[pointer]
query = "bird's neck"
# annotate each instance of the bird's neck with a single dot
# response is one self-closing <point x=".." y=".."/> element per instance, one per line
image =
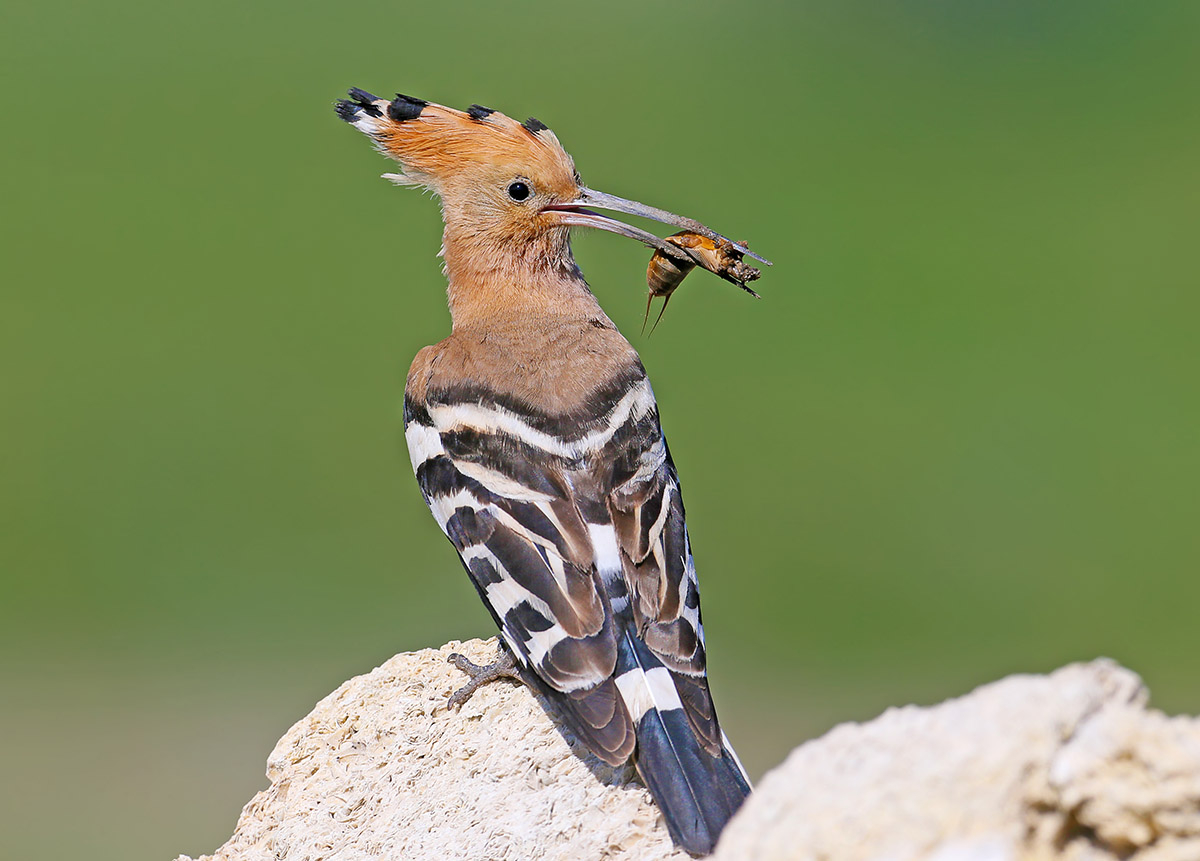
<point x="493" y="281"/>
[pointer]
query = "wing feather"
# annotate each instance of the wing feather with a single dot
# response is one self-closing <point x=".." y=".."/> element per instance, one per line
<point x="649" y="515"/>
<point x="507" y="509"/>
<point x="560" y="539"/>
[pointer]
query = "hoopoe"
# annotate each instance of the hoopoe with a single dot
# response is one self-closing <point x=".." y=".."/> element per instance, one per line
<point x="535" y="439"/>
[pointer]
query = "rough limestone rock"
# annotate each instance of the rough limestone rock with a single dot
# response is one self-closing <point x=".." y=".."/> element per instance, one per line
<point x="1066" y="766"/>
<point x="381" y="769"/>
<point x="1031" y="768"/>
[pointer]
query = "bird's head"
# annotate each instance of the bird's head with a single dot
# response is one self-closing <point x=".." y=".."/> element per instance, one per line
<point x="509" y="191"/>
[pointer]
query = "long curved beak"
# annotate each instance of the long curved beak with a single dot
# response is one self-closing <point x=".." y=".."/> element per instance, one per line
<point x="578" y="213"/>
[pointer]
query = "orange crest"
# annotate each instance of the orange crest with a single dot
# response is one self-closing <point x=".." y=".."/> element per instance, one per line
<point x="439" y="146"/>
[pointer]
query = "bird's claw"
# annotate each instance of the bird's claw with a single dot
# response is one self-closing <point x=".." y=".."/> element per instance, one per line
<point x="504" y="667"/>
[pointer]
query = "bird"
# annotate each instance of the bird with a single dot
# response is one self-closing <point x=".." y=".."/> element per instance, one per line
<point x="535" y="438"/>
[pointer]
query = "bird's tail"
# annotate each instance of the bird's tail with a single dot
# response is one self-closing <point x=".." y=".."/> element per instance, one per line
<point x="696" y="790"/>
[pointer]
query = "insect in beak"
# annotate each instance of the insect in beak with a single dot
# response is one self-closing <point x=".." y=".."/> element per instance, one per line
<point x="719" y="256"/>
<point x="675" y="256"/>
<point x="578" y="213"/>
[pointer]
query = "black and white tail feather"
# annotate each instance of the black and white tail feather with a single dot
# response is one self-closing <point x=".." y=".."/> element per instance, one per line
<point x="697" y="792"/>
<point x="572" y="529"/>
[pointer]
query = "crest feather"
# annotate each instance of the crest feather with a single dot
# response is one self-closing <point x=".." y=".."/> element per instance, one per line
<point x="435" y="144"/>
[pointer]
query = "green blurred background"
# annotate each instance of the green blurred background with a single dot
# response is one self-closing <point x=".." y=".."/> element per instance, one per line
<point x="957" y="438"/>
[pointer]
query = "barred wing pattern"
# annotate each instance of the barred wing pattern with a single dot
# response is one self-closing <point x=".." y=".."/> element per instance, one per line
<point x="572" y="529"/>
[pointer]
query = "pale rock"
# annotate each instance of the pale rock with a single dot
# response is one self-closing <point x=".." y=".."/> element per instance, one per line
<point x="381" y="769"/>
<point x="1066" y="766"/>
<point x="1031" y="768"/>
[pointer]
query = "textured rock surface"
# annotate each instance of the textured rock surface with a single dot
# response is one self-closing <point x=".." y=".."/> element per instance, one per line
<point x="382" y="770"/>
<point x="1070" y="765"/>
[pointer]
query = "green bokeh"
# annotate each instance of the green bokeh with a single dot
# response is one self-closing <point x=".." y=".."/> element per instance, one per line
<point x="957" y="438"/>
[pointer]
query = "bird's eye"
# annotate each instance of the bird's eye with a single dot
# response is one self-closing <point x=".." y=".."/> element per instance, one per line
<point x="519" y="190"/>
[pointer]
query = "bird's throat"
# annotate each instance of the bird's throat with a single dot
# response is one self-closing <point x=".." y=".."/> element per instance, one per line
<point x="493" y="279"/>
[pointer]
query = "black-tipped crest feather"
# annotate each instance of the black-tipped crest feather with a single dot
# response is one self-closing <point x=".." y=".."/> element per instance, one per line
<point x="360" y="100"/>
<point x="404" y="108"/>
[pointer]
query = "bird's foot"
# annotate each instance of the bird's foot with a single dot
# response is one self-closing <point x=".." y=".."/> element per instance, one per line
<point x="504" y="667"/>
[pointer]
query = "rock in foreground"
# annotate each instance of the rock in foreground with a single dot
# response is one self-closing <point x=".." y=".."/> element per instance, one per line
<point x="1070" y="765"/>
<point x="1066" y="766"/>
<point x="381" y="769"/>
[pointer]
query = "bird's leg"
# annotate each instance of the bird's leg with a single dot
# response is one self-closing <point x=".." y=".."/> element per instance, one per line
<point x="504" y="667"/>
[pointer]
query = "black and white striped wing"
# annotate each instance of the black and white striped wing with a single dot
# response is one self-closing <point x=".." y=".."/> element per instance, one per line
<point x="572" y="530"/>
<point x="682" y="754"/>
<point x="500" y="487"/>
<point x="648" y="516"/>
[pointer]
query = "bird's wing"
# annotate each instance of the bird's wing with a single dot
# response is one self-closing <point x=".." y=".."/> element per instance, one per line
<point x="573" y="533"/>
<point x="648" y="516"/>
<point x="498" y="482"/>
<point x="572" y="530"/>
<point x="682" y="755"/>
